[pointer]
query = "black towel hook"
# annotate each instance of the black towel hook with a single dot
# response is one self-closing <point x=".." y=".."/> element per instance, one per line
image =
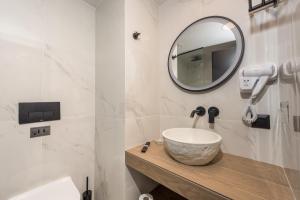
<point x="136" y="35"/>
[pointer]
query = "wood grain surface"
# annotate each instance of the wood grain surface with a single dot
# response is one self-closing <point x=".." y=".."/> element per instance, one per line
<point x="227" y="177"/>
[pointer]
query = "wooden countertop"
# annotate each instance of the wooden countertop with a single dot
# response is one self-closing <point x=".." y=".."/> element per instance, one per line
<point x="228" y="177"/>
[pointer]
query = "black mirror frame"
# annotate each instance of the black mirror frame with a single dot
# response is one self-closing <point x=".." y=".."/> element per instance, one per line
<point x="229" y="75"/>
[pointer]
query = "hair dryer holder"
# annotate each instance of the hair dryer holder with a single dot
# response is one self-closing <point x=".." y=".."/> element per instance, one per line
<point x="253" y="80"/>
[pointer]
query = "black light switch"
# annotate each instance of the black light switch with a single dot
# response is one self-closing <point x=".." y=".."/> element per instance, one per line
<point x="263" y="121"/>
<point x="38" y="112"/>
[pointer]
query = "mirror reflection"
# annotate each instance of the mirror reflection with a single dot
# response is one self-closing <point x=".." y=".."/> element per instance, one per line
<point x="205" y="53"/>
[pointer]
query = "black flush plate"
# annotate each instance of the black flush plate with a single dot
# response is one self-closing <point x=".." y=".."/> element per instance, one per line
<point x="38" y="112"/>
<point x="263" y="121"/>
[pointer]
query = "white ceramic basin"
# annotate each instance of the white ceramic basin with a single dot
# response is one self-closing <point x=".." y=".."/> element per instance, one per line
<point x="192" y="146"/>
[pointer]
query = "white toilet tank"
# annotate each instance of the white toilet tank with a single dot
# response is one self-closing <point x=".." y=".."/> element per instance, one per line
<point x="63" y="189"/>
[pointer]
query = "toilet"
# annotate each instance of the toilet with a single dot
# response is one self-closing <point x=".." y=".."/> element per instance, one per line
<point x="62" y="189"/>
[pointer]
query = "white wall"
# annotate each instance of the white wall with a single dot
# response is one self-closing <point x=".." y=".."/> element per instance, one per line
<point x="127" y="107"/>
<point x="46" y="54"/>
<point x="290" y="92"/>
<point x="176" y="105"/>
<point x="110" y="100"/>
<point x="133" y="81"/>
<point x="142" y="94"/>
<point x="141" y="85"/>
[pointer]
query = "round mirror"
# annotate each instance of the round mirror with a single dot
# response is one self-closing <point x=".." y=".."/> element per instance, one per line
<point x="206" y="53"/>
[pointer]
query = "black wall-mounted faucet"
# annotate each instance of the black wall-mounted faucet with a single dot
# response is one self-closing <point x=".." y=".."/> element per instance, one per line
<point x="200" y="111"/>
<point x="212" y="113"/>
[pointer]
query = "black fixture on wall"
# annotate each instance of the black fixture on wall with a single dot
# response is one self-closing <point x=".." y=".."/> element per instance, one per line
<point x="213" y="112"/>
<point x="263" y="122"/>
<point x="136" y="35"/>
<point x="261" y="6"/>
<point x="38" y="112"/>
<point x="200" y="111"/>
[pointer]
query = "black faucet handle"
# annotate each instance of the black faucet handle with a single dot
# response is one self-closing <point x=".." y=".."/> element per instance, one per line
<point x="214" y="110"/>
<point x="212" y="113"/>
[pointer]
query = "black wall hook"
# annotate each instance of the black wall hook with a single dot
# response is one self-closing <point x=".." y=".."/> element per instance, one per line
<point x="136" y="35"/>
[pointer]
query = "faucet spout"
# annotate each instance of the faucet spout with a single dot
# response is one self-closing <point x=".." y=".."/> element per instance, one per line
<point x="193" y="113"/>
<point x="200" y="111"/>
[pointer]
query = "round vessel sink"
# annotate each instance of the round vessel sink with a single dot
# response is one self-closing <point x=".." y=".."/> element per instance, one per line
<point x="192" y="146"/>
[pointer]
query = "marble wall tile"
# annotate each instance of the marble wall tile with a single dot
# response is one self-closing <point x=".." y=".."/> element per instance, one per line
<point x="140" y="130"/>
<point x="141" y="69"/>
<point x="147" y="101"/>
<point x="177" y="105"/>
<point x="289" y="94"/>
<point x="110" y="159"/>
<point x="47" y="54"/>
<point x="110" y="101"/>
<point x="141" y="85"/>
<point x="110" y="59"/>
<point x="71" y="144"/>
<point x="22" y="159"/>
<point x="171" y="26"/>
<point x="141" y="59"/>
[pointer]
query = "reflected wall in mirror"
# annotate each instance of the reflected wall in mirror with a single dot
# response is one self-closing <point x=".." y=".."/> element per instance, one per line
<point x="206" y="53"/>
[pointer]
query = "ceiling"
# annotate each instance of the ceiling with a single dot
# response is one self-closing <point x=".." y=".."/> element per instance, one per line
<point x="94" y="2"/>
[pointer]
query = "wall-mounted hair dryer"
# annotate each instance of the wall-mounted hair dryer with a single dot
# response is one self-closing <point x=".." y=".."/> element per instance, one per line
<point x="253" y="80"/>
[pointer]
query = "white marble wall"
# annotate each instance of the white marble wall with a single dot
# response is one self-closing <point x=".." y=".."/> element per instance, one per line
<point x="127" y="96"/>
<point x="110" y="100"/>
<point x="136" y="100"/>
<point x="46" y="54"/>
<point x="141" y="85"/>
<point x="289" y="20"/>
<point x="176" y="105"/>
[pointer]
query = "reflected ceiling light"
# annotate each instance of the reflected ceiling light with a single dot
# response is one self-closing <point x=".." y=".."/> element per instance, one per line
<point x="228" y="26"/>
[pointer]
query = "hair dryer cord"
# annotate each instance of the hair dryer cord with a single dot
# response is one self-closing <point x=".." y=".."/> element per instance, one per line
<point x="249" y="115"/>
